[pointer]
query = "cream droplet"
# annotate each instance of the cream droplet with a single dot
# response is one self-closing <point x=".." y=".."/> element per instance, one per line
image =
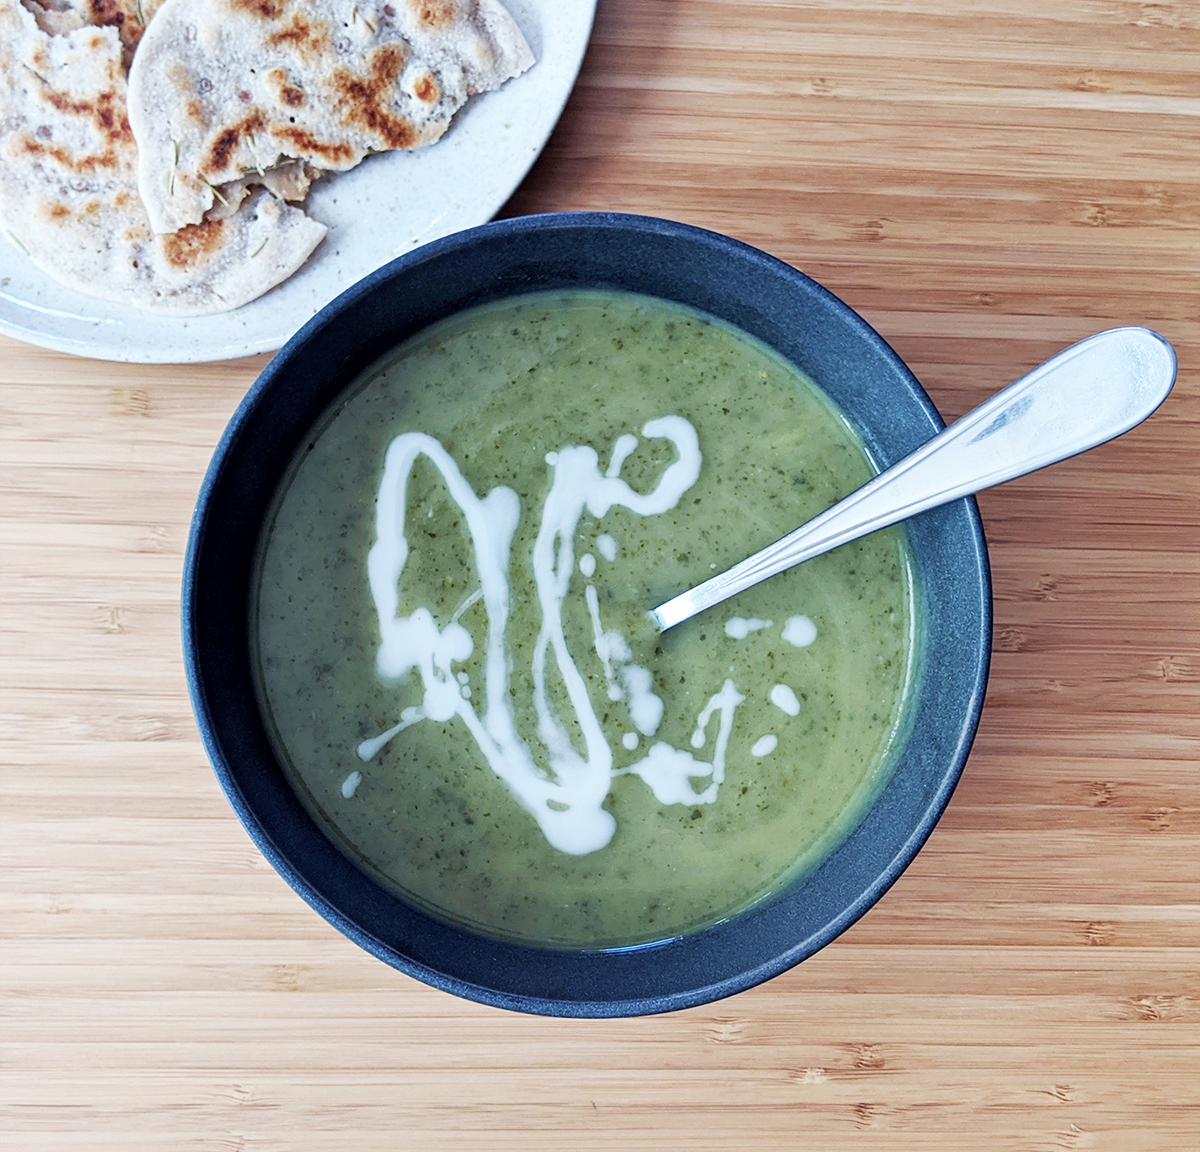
<point x="606" y="546"/>
<point x="350" y="784"/>
<point x="765" y="745"/>
<point x="630" y="740"/>
<point x="785" y="700"/>
<point x="410" y="716"/>
<point x="738" y="627"/>
<point x="799" y="631"/>
<point x="587" y="565"/>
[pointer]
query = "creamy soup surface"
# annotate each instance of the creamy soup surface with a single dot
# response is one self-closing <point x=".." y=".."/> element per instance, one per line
<point x="452" y="638"/>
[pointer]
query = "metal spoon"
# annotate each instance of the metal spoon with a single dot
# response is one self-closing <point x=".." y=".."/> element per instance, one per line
<point x="1087" y="394"/>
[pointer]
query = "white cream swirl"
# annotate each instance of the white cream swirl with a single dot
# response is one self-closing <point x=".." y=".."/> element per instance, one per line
<point x="566" y="795"/>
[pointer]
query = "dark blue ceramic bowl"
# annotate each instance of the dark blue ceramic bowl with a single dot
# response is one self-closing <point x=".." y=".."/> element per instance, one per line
<point x="764" y="297"/>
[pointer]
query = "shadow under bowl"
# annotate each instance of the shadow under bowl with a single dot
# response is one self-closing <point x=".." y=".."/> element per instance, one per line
<point x="751" y="290"/>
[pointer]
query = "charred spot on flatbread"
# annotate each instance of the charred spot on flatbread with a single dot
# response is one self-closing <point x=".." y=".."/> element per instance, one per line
<point x="87" y="162"/>
<point x="226" y="141"/>
<point x="106" y="13"/>
<point x="106" y="115"/>
<point x="309" y="147"/>
<point x="55" y="151"/>
<point x="113" y="126"/>
<point x="364" y="99"/>
<point x="265" y="9"/>
<point x="193" y="245"/>
<point x="66" y="104"/>
<point x="435" y="14"/>
<point x="427" y="89"/>
<point x="303" y="35"/>
<point x="110" y="119"/>
<point x="288" y="94"/>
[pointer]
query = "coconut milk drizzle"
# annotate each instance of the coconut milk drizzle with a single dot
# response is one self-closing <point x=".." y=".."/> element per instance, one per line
<point x="566" y="790"/>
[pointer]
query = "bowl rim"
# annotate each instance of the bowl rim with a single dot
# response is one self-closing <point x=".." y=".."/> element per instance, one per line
<point x="514" y="231"/>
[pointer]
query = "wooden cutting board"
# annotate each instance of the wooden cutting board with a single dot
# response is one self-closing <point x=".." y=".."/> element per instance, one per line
<point x="986" y="182"/>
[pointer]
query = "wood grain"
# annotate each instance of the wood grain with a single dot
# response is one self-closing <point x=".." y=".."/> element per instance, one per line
<point x="986" y="183"/>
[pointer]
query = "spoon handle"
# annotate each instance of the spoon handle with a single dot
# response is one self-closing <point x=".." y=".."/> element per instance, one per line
<point x="1084" y="396"/>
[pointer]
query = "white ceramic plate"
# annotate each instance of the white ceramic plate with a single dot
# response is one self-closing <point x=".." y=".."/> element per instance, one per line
<point x="385" y="207"/>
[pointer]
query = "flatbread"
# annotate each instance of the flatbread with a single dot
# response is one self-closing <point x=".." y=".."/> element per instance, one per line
<point x="68" y="188"/>
<point x="222" y="88"/>
<point x="128" y="17"/>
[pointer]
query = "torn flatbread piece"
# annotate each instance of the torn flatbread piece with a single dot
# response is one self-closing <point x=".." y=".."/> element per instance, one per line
<point x="220" y="89"/>
<point x="128" y="17"/>
<point x="68" y="188"/>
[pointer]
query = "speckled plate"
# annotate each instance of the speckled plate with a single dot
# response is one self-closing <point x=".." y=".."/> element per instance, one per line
<point x="372" y="212"/>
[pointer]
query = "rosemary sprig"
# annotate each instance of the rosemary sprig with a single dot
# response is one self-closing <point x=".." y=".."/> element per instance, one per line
<point x="215" y="191"/>
<point x="254" y="152"/>
<point x="16" y="240"/>
<point x="261" y="245"/>
<point x="174" y="165"/>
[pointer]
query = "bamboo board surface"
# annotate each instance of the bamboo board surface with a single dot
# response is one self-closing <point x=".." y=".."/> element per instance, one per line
<point x="986" y="182"/>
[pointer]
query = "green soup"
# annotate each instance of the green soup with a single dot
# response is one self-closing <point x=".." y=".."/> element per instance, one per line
<point x="452" y="638"/>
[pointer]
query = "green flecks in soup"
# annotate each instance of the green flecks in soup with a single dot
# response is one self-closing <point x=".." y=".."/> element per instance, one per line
<point x="452" y="637"/>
